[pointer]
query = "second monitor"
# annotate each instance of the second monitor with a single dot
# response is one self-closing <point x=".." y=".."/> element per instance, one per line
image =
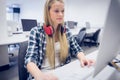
<point x="28" y="24"/>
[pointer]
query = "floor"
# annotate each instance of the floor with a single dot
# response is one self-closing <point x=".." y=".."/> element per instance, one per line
<point x="12" y="73"/>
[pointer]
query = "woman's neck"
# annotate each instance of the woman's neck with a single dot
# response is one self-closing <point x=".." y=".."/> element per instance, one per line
<point x="55" y="27"/>
<point x="55" y="32"/>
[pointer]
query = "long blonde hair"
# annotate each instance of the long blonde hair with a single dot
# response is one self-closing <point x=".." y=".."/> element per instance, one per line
<point x="50" y="52"/>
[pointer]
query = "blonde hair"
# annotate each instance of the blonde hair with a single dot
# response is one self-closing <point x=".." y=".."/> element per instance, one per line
<point x="50" y="52"/>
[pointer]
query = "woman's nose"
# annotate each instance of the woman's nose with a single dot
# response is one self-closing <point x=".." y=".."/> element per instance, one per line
<point x="60" y="13"/>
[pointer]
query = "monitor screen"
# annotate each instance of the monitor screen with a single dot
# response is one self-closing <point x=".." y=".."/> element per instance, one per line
<point x="16" y="10"/>
<point x="110" y="42"/>
<point x="27" y="24"/>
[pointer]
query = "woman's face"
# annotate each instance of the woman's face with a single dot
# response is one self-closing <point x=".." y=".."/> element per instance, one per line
<point x="57" y="13"/>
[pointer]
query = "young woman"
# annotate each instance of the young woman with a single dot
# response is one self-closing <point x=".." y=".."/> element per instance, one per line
<point x="49" y="45"/>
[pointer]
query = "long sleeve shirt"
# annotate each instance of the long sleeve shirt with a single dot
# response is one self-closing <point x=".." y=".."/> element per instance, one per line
<point x="37" y="47"/>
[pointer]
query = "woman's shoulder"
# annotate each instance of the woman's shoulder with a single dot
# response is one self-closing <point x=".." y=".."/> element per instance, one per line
<point x="37" y="29"/>
<point x="37" y="32"/>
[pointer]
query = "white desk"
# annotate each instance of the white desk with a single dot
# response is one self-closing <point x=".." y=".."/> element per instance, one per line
<point x="16" y="38"/>
<point x="73" y="71"/>
<point x="77" y="29"/>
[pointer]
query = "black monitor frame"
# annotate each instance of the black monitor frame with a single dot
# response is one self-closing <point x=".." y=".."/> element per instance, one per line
<point x="28" y="24"/>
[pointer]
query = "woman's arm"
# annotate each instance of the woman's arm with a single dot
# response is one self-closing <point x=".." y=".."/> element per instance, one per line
<point x="34" y="70"/>
<point x="74" y="46"/>
<point x="38" y="74"/>
<point x="32" y="58"/>
<point x="32" y="55"/>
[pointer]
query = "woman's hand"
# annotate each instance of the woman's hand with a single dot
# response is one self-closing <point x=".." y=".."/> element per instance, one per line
<point x="84" y="61"/>
<point x="48" y="76"/>
<point x="38" y="74"/>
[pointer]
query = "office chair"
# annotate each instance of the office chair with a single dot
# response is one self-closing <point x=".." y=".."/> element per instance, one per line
<point x="21" y="69"/>
<point x="92" y="39"/>
<point x="82" y="29"/>
<point x="80" y="36"/>
<point x="11" y="47"/>
<point x="12" y="54"/>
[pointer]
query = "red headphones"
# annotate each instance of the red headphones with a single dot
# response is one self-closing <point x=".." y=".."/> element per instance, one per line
<point x="49" y="30"/>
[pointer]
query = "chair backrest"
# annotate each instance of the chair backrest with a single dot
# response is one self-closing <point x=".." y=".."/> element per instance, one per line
<point x="21" y="69"/>
<point x="82" y="29"/>
<point x="81" y="35"/>
<point x="96" y="34"/>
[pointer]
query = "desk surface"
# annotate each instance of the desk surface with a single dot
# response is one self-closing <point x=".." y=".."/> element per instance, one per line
<point x="76" y="30"/>
<point x="16" y="38"/>
<point x="73" y="70"/>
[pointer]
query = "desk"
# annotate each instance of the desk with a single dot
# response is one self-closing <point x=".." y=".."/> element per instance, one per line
<point x="16" y="38"/>
<point x="76" y="30"/>
<point x="73" y="70"/>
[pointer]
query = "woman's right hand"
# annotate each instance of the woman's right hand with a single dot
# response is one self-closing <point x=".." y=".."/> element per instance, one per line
<point x="38" y="74"/>
<point x="47" y="76"/>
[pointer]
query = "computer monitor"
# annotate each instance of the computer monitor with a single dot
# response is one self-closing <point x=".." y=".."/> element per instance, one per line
<point x="110" y="43"/>
<point x="16" y="10"/>
<point x="27" y="24"/>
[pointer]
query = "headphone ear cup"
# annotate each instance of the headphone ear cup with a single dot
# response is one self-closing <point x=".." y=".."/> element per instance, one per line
<point x="48" y="30"/>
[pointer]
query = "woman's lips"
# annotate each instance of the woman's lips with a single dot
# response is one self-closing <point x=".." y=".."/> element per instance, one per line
<point x="59" y="18"/>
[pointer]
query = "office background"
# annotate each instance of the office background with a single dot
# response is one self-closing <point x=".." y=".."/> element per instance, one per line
<point x="81" y="11"/>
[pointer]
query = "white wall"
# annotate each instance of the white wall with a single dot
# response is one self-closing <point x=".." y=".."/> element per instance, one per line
<point x="34" y="9"/>
<point x="93" y="11"/>
<point x="3" y="34"/>
<point x="30" y="9"/>
<point x="3" y="27"/>
<point x="81" y="11"/>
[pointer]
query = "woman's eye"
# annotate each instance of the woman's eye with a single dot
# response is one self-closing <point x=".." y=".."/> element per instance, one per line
<point x="56" y="11"/>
